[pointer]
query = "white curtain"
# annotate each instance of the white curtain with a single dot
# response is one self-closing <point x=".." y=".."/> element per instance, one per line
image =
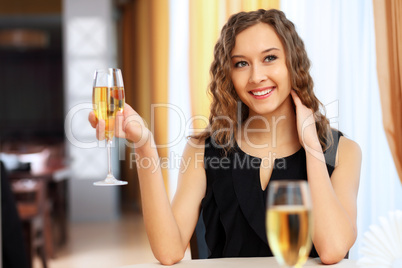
<point x="179" y="86"/>
<point x="340" y="41"/>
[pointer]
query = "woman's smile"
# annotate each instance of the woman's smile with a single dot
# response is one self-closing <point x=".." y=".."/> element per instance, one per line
<point x="262" y="93"/>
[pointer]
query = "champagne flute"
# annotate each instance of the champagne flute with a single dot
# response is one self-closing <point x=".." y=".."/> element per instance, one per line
<point x="289" y="222"/>
<point x="107" y="100"/>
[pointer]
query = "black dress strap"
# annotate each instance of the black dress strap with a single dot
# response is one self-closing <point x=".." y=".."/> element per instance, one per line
<point x="330" y="153"/>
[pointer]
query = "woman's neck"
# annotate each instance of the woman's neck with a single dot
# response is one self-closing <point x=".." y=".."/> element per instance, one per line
<point x="277" y="128"/>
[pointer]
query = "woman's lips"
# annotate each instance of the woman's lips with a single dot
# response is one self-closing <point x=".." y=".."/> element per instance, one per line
<point x="262" y="92"/>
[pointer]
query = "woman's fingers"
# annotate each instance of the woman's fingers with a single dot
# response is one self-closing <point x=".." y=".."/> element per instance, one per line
<point x="301" y="109"/>
<point x="119" y="123"/>
<point x="92" y="119"/>
<point x="134" y="127"/>
<point x="100" y="130"/>
<point x="128" y="110"/>
<point x="99" y="125"/>
<point x="128" y="124"/>
<point x="305" y="122"/>
<point x="295" y="97"/>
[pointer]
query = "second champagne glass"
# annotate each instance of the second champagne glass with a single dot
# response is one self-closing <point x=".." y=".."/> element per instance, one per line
<point x="289" y="222"/>
<point x="107" y="100"/>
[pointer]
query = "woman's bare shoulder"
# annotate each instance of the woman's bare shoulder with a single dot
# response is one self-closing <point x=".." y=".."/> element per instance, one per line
<point x="195" y="145"/>
<point x="348" y="146"/>
<point x="348" y="150"/>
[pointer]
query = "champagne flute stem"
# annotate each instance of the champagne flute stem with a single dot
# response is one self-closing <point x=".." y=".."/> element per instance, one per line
<point x="109" y="157"/>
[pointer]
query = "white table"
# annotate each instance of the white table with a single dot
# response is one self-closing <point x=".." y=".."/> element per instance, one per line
<point x="242" y="263"/>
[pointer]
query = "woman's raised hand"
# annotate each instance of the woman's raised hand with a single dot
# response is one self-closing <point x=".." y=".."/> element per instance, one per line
<point x="306" y="128"/>
<point x="128" y="125"/>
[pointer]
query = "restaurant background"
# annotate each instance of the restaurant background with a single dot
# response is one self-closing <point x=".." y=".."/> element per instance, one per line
<point x="164" y="49"/>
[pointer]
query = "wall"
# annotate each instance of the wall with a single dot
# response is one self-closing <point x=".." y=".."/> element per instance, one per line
<point x="89" y="44"/>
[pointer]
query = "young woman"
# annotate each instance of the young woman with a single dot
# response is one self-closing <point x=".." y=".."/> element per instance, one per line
<point x="265" y="125"/>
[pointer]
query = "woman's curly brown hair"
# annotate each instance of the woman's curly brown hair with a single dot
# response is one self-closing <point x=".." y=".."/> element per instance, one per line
<point x="227" y="112"/>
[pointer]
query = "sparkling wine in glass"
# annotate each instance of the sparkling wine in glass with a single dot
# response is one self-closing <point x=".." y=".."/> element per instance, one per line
<point x="289" y="222"/>
<point x="107" y="100"/>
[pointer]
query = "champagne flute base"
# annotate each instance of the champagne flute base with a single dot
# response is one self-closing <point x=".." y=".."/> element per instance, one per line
<point x="110" y="181"/>
<point x="105" y="183"/>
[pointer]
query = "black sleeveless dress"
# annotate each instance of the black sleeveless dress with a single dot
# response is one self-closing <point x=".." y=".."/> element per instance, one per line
<point x="233" y="209"/>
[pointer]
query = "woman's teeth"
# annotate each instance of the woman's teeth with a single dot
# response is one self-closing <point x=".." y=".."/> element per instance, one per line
<point x="261" y="93"/>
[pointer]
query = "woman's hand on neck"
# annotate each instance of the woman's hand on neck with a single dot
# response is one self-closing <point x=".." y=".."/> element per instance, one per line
<point x="306" y="127"/>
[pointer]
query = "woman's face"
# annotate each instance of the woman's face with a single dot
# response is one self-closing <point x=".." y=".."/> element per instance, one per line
<point x="258" y="71"/>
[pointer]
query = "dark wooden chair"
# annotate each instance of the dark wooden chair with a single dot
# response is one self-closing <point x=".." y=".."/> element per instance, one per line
<point x="30" y="196"/>
<point x="13" y="246"/>
<point x="198" y="245"/>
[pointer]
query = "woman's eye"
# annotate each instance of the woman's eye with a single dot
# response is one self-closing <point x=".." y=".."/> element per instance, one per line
<point x="270" y="58"/>
<point x="240" y="64"/>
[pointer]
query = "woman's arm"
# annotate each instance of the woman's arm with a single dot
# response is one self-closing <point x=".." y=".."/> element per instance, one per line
<point x="169" y="229"/>
<point x="334" y="199"/>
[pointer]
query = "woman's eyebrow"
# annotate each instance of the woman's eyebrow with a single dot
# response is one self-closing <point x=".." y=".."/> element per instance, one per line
<point x="269" y="49"/>
<point x="265" y="51"/>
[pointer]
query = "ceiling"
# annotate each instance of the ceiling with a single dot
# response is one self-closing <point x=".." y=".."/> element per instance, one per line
<point x="36" y="7"/>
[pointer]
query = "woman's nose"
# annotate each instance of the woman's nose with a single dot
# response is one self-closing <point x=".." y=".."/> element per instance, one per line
<point x="257" y="74"/>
